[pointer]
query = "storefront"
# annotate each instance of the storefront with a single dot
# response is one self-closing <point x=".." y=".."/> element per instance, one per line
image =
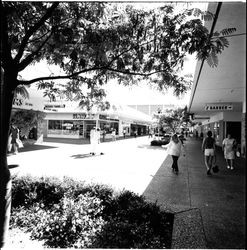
<point x="221" y="124"/>
<point x="62" y="123"/>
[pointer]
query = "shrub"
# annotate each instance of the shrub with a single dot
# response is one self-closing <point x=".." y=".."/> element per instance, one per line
<point x="69" y="213"/>
<point x="134" y="223"/>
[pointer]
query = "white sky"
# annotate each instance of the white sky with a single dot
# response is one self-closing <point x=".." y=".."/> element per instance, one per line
<point x="141" y="94"/>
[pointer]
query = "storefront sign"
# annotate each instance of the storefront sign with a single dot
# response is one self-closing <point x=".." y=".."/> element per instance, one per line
<point x="217" y="107"/>
<point x="105" y="117"/>
<point x="49" y="107"/>
<point x="83" y="116"/>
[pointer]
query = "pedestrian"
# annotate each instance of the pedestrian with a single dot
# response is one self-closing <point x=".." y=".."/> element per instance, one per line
<point x="196" y="134"/>
<point x="186" y="133"/>
<point x="13" y="138"/>
<point x="229" y="146"/>
<point x="124" y="133"/>
<point x="103" y="134"/>
<point x="174" y="149"/>
<point x="208" y="149"/>
<point x="98" y="146"/>
<point x="113" y="134"/>
<point x="135" y="133"/>
<point x="93" y="140"/>
<point x="201" y="136"/>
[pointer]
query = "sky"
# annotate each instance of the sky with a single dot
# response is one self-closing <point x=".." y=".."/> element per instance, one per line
<point x="141" y="94"/>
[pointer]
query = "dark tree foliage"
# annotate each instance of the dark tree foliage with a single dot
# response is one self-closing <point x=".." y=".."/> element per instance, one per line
<point x="26" y="120"/>
<point x="93" y="42"/>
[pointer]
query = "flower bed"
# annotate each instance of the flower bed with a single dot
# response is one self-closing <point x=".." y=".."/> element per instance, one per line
<point x="69" y="214"/>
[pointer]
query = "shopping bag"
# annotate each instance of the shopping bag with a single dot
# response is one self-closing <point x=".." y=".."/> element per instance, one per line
<point x="19" y="143"/>
<point x="9" y="143"/>
<point x="215" y="168"/>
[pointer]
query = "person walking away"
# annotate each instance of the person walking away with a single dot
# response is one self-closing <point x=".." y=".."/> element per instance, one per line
<point x="196" y="134"/>
<point x="229" y="146"/>
<point x="93" y="140"/>
<point x="186" y="133"/>
<point x="201" y="136"/>
<point x="14" y="133"/>
<point x="174" y="149"/>
<point x="208" y="149"/>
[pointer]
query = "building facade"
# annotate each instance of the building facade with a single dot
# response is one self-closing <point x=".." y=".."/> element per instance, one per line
<point x="151" y="109"/>
<point x="218" y="99"/>
<point x="63" y="121"/>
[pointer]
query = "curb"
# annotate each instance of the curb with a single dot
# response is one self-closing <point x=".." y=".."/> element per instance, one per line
<point x="188" y="231"/>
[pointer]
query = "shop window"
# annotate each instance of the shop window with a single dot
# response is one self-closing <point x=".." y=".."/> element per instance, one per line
<point x="55" y="124"/>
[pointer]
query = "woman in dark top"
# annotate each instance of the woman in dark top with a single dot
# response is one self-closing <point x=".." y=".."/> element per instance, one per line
<point x="208" y="148"/>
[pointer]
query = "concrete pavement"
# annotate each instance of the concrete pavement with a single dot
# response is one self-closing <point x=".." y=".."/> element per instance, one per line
<point x="219" y="200"/>
<point x="126" y="164"/>
<point x="210" y="210"/>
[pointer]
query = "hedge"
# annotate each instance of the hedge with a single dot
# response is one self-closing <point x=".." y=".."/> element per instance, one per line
<point x="70" y="214"/>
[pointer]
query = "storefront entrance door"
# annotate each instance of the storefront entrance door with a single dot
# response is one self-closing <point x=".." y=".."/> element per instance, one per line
<point x="234" y="128"/>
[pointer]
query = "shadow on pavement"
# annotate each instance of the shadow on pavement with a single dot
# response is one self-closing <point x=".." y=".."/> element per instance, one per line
<point x="81" y="156"/>
<point x="13" y="166"/>
<point x="34" y="147"/>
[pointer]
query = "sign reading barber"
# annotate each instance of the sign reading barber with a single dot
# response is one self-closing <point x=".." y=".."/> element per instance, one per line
<point x="218" y="107"/>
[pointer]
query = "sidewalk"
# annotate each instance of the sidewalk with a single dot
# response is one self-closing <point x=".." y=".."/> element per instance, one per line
<point x="220" y="198"/>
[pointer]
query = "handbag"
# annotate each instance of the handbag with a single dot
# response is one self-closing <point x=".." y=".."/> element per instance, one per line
<point x="215" y="169"/>
<point x="19" y="143"/>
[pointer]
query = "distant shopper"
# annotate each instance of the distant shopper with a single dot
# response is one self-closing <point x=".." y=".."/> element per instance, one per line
<point x="99" y="147"/>
<point x="113" y="134"/>
<point x="103" y="134"/>
<point x="196" y="134"/>
<point x="13" y="137"/>
<point x="201" y="136"/>
<point x="208" y="149"/>
<point x="93" y="140"/>
<point x="229" y="146"/>
<point x="124" y="133"/>
<point x="174" y="149"/>
<point x="135" y="133"/>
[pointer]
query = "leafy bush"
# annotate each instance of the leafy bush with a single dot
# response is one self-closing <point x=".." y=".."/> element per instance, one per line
<point x="134" y="223"/>
<point x="67" y="213"/>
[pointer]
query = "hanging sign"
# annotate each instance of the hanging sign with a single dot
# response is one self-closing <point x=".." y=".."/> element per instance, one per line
<point x="217" y="107"/>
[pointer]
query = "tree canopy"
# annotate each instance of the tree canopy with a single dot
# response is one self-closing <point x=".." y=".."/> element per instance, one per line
<point x="93" y="42"/>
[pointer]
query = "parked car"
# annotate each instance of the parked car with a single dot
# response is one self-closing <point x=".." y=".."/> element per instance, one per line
<point x="161" y="140"/>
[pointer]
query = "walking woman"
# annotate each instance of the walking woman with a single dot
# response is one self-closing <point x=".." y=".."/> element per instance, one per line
<point x="174" y="149"/>
<point x="229" y="145"/>
<point x="208" y="148"/>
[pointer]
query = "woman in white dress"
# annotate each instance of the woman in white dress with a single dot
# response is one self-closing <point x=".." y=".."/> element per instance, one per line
<point x="229" y="146"/>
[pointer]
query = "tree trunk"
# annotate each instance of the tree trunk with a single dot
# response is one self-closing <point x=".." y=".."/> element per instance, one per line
<point x="6" y="99"/>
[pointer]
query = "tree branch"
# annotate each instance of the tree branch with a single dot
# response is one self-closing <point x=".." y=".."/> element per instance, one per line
<point x="125" y="72"/>
<point x="33" y="29"/>
<point x="25" y="62"/>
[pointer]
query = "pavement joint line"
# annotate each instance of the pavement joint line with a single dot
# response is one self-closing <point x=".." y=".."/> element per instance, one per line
<point x="188" y="174"/>
<point x="189" y="209"/>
